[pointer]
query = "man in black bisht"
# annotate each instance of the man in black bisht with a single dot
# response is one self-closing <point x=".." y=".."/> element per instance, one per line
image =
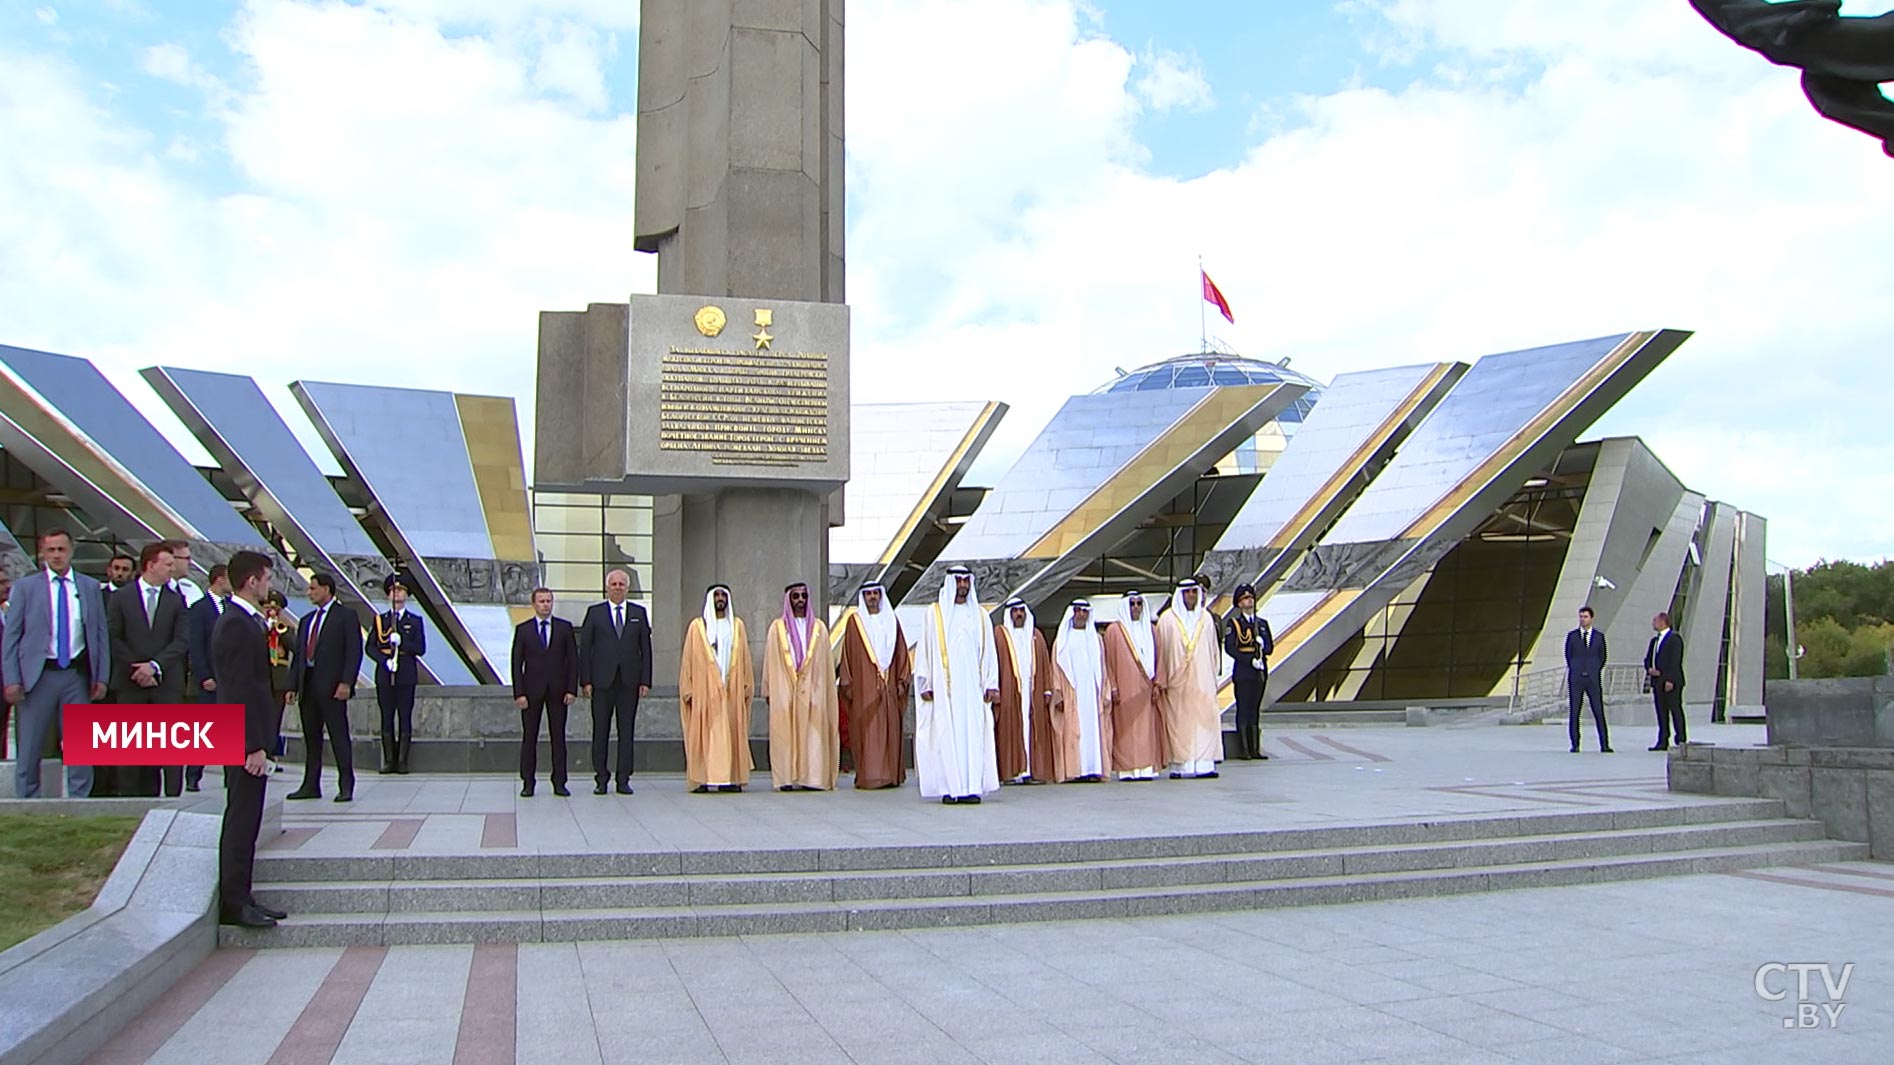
<point x="1246" y="639"/>
<point x="240" y="655"/>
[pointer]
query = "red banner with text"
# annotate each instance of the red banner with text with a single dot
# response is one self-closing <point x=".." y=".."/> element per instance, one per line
<point x="160" y="734"/>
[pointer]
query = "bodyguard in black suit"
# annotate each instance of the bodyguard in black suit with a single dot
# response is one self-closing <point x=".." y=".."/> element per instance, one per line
<point x="240" y="654"/>
<point x="1664" y="664"/>
<point x="1247" y="640"/>
<point x="400" y="638"/>
<point x="199" y="620"/>
<point x="1585" y="677"/>
<point x="545" y="681"/>
<point x="146" y="623"/>
<point x="615" y="672"/>
<point x="322" y="676"/>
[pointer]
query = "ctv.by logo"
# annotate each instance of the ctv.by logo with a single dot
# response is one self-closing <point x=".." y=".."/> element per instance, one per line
<point x="1772" y="985"/>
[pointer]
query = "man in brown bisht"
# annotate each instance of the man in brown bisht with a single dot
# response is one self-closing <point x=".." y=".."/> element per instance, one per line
<point x="715" y="685"/>
<point x="1022" y="722"/>
<point x="1080" y="700"/>
<point x="799" y="679"/>
<point x="1138" y="748"/>
<point x="877" y="672"/>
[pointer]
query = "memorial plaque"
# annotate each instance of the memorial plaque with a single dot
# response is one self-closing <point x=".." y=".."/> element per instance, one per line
<point x="735" y="392"/>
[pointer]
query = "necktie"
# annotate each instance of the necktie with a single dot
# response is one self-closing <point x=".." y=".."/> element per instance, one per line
<point x="1587" y="637"/>
<point x="545" y="640"/>
<point x="221" y="605"/>
<point x="151" y="604"/>
<point x="309" y="645"/>
<point x="618" y="619"/>
<point x="62" y="622"/>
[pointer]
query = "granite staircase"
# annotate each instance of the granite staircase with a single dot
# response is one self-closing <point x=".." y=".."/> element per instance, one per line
<point x="401" y="898"/>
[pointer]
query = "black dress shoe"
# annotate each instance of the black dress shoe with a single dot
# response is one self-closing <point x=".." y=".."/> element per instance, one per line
<point x="303" y="793"/>
<point x="949" y="800"/>
<point x="560" y="790"/>
<point x="1177" y="776"/>
<point x="345" y="796"/>
<point x="1212" y="775"/>
<point x="624" y="788"/>
<point x="970" y="800"/>
<point x="193" y="787"/>
<point x="1606" y="750"/>
<point x="1574" y="750"/>
<point x="1262" y="757"/>
<point x="526" y="792"/>
<point x="1659" y="747"/>
<point x="271" y="912"/>
<point x="702" y="789"/>
<point x="734" y="789"/>
<point x="598" y="789"/>
<point x="248" y="917"/>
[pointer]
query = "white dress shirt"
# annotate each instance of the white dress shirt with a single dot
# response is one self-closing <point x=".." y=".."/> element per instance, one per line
<point x="75" y="623"/>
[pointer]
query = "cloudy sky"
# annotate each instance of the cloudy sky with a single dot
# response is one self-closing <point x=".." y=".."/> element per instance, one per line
<point x="389" y="191"/>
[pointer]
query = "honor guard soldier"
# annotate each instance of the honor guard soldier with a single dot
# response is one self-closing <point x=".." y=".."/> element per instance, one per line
<point x="399" y="639"/>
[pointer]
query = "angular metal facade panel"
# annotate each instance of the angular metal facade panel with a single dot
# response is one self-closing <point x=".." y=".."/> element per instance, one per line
<point x="900" y="453"/>
<point x="1499" y="398"/>
<point x="234" y="420"/>
<point x="421" y="461"/>
<point x="406" y="447"/>
<point x="1508" y="417"/>
<point x="1707" y="607"/>
<point x="1748" y="581"/>
<point x="85" y="400"/>
<point x="1089" y="440"/>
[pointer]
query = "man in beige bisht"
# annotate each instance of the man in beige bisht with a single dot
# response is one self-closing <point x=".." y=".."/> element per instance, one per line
<point x="1138" y="746"/>
<point x="1188" y="658"/>
<point x="715" y="686"/>
<point x="1080" y="700"/>
<point x="877" y="672"/>
<point x="1022" y="721"/>
<point x="805" y="741"/>
<point x="957" y="673"/>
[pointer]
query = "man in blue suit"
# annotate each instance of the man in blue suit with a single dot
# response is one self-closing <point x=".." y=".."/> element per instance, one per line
<point x="55" y="651"/>
<point x="1585" y="677"/>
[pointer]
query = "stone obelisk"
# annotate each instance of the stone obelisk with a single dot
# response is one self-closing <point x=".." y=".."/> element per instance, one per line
<point x="725" y="396"/>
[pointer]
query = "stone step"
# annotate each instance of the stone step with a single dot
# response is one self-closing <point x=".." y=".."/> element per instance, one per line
<point x="688" y="921"/>
<point x="586" y="893"/>
<point x="512" y="865"/>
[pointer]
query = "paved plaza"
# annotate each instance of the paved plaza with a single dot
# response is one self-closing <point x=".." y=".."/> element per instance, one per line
<point x="1651" y="970"/>
<point x="1648" y="971"/>
<point x="1314" y="777"/>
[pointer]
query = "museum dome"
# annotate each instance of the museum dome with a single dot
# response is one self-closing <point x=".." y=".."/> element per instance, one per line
<point x="1203" y="370"/>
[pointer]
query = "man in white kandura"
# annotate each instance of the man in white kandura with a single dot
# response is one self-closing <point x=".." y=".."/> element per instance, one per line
<point x="1189" y="659"/>
<point x="956" y="672"/>
<point x="1079" y="699"/>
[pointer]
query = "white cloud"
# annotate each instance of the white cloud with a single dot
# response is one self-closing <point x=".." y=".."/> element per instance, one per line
<point x="1172" y="80"/>
<point x="403" y="222"/>
<point x="47" y="16"/>
<point x="173" y="63"/>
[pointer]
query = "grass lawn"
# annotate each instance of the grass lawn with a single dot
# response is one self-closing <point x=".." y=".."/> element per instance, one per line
<point x="52" y="867"/>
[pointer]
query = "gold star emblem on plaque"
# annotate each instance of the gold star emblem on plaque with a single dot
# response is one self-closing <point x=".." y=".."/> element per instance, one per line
<point x="710" y="320"/>
<point x="764" y="319"/>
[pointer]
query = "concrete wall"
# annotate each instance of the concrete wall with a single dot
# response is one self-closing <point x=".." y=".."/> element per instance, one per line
<point x="1832" y="712"/>
<point x="1849" y="789"/>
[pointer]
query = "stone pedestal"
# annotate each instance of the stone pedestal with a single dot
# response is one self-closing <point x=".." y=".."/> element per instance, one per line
<point x="756" y="540"/>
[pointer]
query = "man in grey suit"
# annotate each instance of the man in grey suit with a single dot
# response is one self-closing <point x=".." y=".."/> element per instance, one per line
<point x="55" y="652"/>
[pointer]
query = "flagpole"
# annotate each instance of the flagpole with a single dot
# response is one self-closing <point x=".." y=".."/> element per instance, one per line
<point x="1203" y="315"/>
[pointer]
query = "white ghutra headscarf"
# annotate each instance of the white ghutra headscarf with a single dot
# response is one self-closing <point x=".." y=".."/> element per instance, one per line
<point x="718" y="630"/>
<point x="881" y="628"/>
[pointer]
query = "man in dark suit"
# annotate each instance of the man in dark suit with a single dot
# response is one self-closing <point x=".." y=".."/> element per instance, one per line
<point x="118" y="573"/>
<point x="6" y="708"/>
<point x="1664" y="664"/>
<point x="1248" y="642"/>
<point x="55" y="651"/>
<point x="614" y="672"/>
<point x="145" y="620"/>
<point x="1585" y="677"/>
<point x="322" y="676"/>
<point x="199" y="620"/>
<point x="241" y="658"/>
<point x="400" y="639"/>
<point x="545" y="680"/>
